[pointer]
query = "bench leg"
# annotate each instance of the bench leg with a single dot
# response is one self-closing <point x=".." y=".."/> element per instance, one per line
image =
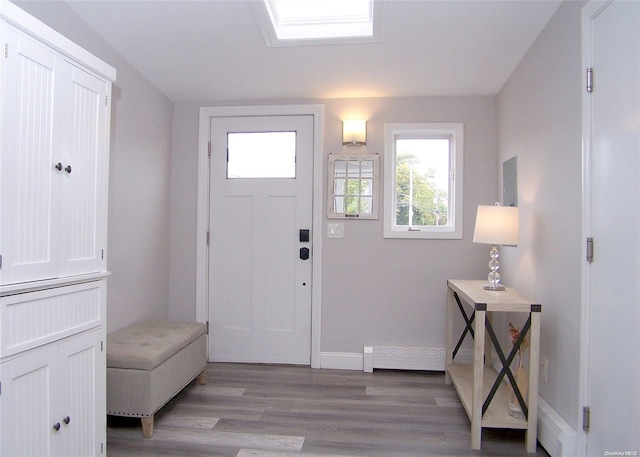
<point x="147" y="426"/>
<point x="202" y="377"/>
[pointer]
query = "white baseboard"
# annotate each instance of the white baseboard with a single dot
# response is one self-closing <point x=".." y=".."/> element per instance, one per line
<point x="341" y="360"/>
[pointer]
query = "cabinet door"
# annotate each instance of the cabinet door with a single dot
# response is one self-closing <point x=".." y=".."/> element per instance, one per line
<point x="82" y="407"/>
<point x="29" y="201"/>
<point x="27" y="416"/>
<point x="85" y="171"/>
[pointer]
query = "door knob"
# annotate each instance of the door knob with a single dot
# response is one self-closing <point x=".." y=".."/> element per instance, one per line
<point x="304" y="253"/>
<point x="66" y="420"/>
<point x="68" y="169"/>
<point x="56" y="426"/>
<point x="58" y="166"/>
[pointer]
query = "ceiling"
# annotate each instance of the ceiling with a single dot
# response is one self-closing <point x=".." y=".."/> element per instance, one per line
<point x="210" y="50"/>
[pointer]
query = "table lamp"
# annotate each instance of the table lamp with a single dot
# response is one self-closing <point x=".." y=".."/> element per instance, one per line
<point x="496" y="225"/>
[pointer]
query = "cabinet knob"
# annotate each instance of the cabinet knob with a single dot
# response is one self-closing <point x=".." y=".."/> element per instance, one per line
<point x="66" y="420"/>
<point x="58" y="166"/>
<point x="68" y="169"/>
<point x="56" y="427"/>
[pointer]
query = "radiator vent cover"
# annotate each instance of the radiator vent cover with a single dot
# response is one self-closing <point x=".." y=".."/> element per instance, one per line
<point x="410" y="358"/>
<point x="557" y="437"/>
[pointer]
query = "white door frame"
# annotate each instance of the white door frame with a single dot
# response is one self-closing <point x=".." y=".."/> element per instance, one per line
<point x="588" y="12"/>
<point x="202" y="224"/>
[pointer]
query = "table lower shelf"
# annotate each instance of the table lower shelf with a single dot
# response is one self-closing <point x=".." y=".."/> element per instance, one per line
<point x="497" y="414"/>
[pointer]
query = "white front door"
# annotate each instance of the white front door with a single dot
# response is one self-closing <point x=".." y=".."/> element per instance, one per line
<point x="261" y="190"/>
<point x="613" y="278"/>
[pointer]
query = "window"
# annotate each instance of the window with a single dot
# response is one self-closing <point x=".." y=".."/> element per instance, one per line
<point x="423" y="181"/>
<point x="353" y="186"/>
<point x="261" y="155"/>
<point x="313" y="22"/>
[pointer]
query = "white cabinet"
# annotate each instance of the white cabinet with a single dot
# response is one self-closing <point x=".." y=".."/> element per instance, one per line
<point x="52" y="400"/>
<point x="55" y="117"/>
<point x="54" y="150"/>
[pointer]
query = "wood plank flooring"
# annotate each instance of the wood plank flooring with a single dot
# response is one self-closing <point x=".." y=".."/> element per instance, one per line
<point x="290" y="411"/>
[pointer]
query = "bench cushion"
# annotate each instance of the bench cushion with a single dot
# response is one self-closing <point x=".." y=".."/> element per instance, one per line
<point x="145" y="345"/>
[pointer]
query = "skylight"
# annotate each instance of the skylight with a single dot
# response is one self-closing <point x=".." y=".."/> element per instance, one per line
<point x="296" y="22"/>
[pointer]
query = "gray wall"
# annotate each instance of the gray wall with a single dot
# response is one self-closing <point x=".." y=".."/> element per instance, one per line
<point x="139" y="174"/>
<point x="539" y="120"/>
<point x="375" y="290"/>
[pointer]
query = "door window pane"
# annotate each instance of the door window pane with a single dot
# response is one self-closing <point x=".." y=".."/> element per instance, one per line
<point x="261" y="155"/>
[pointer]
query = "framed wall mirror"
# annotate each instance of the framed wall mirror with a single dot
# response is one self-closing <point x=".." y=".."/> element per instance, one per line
<point x="353" y="186"/>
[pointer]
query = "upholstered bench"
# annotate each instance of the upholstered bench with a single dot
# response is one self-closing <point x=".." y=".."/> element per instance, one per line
<point x="148" y="363"/>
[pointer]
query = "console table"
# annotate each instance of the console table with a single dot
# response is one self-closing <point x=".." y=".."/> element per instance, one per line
<point x="481" y="389"/>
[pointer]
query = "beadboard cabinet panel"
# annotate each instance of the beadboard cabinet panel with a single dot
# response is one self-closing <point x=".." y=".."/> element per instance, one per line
<point x="26" y="403"/>
<point x="29" y="320"/>
<point x="54" y="150"/>
<point x="30" y="198"/>
<point x="84" y="185"/>
<point x="82" y="414"/>
<point x="51" y="402"/>
<point x="55" y="164"/>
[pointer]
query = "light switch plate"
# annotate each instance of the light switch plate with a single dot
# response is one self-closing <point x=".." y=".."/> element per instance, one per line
<point x="335" y="230"/>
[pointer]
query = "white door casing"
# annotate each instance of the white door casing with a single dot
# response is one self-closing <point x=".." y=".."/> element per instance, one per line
<point x="259" y="287"/>
<point x="202" y="256"/>
<point x="610" y="341"/>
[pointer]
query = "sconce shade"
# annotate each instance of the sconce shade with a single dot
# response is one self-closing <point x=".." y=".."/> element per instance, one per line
<point x="354" y="132"/>
<point x="497" y="225"/>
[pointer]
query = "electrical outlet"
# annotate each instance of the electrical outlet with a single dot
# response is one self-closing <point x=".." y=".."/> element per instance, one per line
<point x="544" y="369"/>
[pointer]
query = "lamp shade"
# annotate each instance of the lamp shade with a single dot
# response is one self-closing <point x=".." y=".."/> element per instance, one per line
<point x="497" y="225"/>
<point x="354" y="132"/>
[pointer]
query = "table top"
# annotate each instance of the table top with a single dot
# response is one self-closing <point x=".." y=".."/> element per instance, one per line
<point x="472" y="292"/>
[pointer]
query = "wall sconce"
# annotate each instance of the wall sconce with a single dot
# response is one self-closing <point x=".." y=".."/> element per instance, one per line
<point x="496" y="225"/>
<point x="354" y="132"/>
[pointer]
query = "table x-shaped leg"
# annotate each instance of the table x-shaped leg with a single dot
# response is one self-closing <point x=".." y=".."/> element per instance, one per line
<point x="468" y="321"/>
<point x="506" y="363"/>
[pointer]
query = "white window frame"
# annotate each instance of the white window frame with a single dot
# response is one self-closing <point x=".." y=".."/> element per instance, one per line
<point x="455" y="131"/>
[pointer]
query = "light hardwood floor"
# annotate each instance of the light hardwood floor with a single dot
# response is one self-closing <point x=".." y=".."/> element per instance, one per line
<point x="289" y="411"/>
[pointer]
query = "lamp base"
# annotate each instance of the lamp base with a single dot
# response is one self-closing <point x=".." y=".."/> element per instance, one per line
<point x="495" y="287"/>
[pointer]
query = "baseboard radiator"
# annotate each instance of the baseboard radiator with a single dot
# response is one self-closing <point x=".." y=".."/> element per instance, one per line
<point x="410" y="358"/>
<point x="554" y="433"/>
